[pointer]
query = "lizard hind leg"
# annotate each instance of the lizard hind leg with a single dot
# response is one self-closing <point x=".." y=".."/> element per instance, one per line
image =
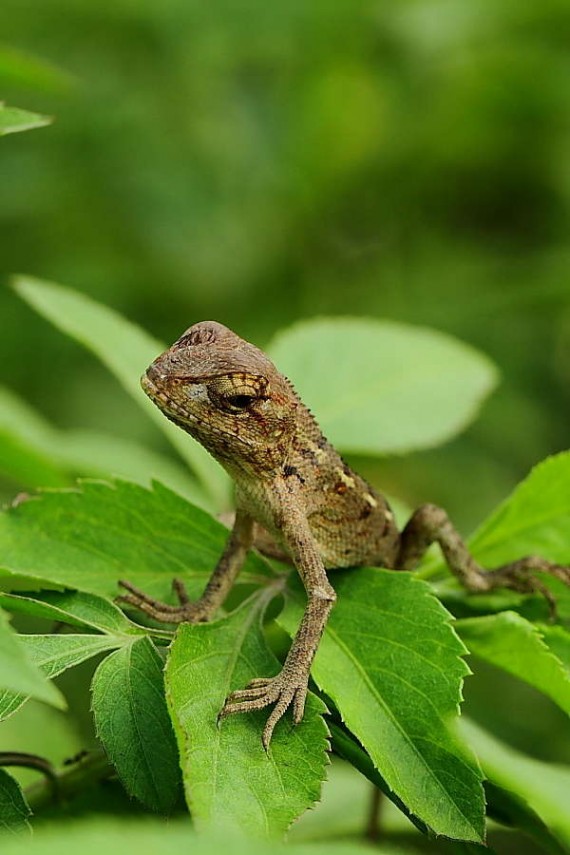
<point x="430" y="524"/>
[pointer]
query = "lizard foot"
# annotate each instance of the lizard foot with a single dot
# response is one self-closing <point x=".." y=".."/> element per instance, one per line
<point x="519" y="576"/>
<point x="186" y="611"/>
<point x="287" y="689"/>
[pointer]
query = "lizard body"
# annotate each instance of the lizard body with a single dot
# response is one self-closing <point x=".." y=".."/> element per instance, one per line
<point x="291" y="481"/>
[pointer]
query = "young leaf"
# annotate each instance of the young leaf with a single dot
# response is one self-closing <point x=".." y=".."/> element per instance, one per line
<point x="14" y="810"/>
<point x="90" y="538"/>
<point x="12" y="120"/>
<point x="391" y="663"/>
<point x="229" y="779"/>
<point x="132" y="723"/>
<point x="396" y="388"/>
<point x="19" y="674"/>
<point x="510" y="642"/>
<point x="543" y="786"/>
<point x="126" y="350"/>
<point x="53" y="654"/>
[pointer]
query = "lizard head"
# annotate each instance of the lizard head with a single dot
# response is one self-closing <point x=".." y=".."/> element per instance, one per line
<point x="227" y="394"/>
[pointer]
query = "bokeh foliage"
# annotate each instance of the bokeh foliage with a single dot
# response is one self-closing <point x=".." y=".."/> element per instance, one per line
<point x="257" y="164"/>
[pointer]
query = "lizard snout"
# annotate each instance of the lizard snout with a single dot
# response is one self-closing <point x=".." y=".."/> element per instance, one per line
<point x="154" y="374"/>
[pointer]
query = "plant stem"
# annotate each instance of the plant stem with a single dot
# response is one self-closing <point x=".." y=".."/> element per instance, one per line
<point x="372" y="832"/>
<point x="68" y="781"/>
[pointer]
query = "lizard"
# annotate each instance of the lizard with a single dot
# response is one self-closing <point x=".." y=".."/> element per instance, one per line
<point x="291" y="484"/>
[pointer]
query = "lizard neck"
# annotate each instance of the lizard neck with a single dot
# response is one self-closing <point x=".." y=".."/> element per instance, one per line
<point x="345" y="513"/>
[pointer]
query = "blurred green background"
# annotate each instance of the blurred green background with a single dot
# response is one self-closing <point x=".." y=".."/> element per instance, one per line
<point x="258" y="163"/>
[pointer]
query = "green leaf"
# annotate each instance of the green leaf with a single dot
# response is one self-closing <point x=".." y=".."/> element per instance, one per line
<point x="24" y="69"/>
<point x="132" y="723"/>
<point x="25" y="440"/>
<point x="23" y="463"/>
<point x="126" y="350"/>
<point x="13" y="120"/>
<point x="391" y="663"/>
<point x="510" y="642"/>
<point x="53" y="654"/>
<point x="94" y="836"/>
<point x="74" y="608"/>
<point x="534" y="520"/>
<point x="14" y="810"/>
<point x="346" y="746"/>
<point x="19" y="674"/>
<point x="380" y="386"/>
<point x="24" y="423"/>
<point x="230" y="781"/>
<point x="90" y="538"/>
<point x="543" y="786"/>
<point x="34" y="453"/>
<point x="558" y="640"/>
<point x="92" y="453"/>
<point x="509" y="809"/>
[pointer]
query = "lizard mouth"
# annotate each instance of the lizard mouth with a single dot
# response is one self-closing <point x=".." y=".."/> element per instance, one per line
<point x="173" y="411"/>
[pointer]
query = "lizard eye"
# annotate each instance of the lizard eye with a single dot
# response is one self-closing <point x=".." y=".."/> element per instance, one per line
<point x="240" y="402"/>
<point x="236" y="393"/>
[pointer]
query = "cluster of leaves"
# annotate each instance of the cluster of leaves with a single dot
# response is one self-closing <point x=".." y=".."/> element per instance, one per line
<point x="390" y="666"/>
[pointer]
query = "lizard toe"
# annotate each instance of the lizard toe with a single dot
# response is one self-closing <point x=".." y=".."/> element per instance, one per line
<point x="277" y="713"/>
<point x="283" y="691"/>
<point x="163" y="612"/>
<point x="250" y="693"/>
<point x="179" y="589"/>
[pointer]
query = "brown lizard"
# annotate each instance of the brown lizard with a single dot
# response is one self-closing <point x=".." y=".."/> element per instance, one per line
<point x="290" y="480"/>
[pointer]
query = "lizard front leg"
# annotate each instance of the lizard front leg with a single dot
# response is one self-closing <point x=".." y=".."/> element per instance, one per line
<point x="218" y="587"/>
<point x="290" y="686"/>
<point x="431" y="524"/>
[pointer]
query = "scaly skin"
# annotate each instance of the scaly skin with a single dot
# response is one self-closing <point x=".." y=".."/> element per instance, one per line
<point x="289" y="480"/>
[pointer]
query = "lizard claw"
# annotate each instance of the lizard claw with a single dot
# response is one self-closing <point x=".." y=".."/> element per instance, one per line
<point x="158" y="610"/>
<point x="285" y="690"/>
<point x="520" y="576"/>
